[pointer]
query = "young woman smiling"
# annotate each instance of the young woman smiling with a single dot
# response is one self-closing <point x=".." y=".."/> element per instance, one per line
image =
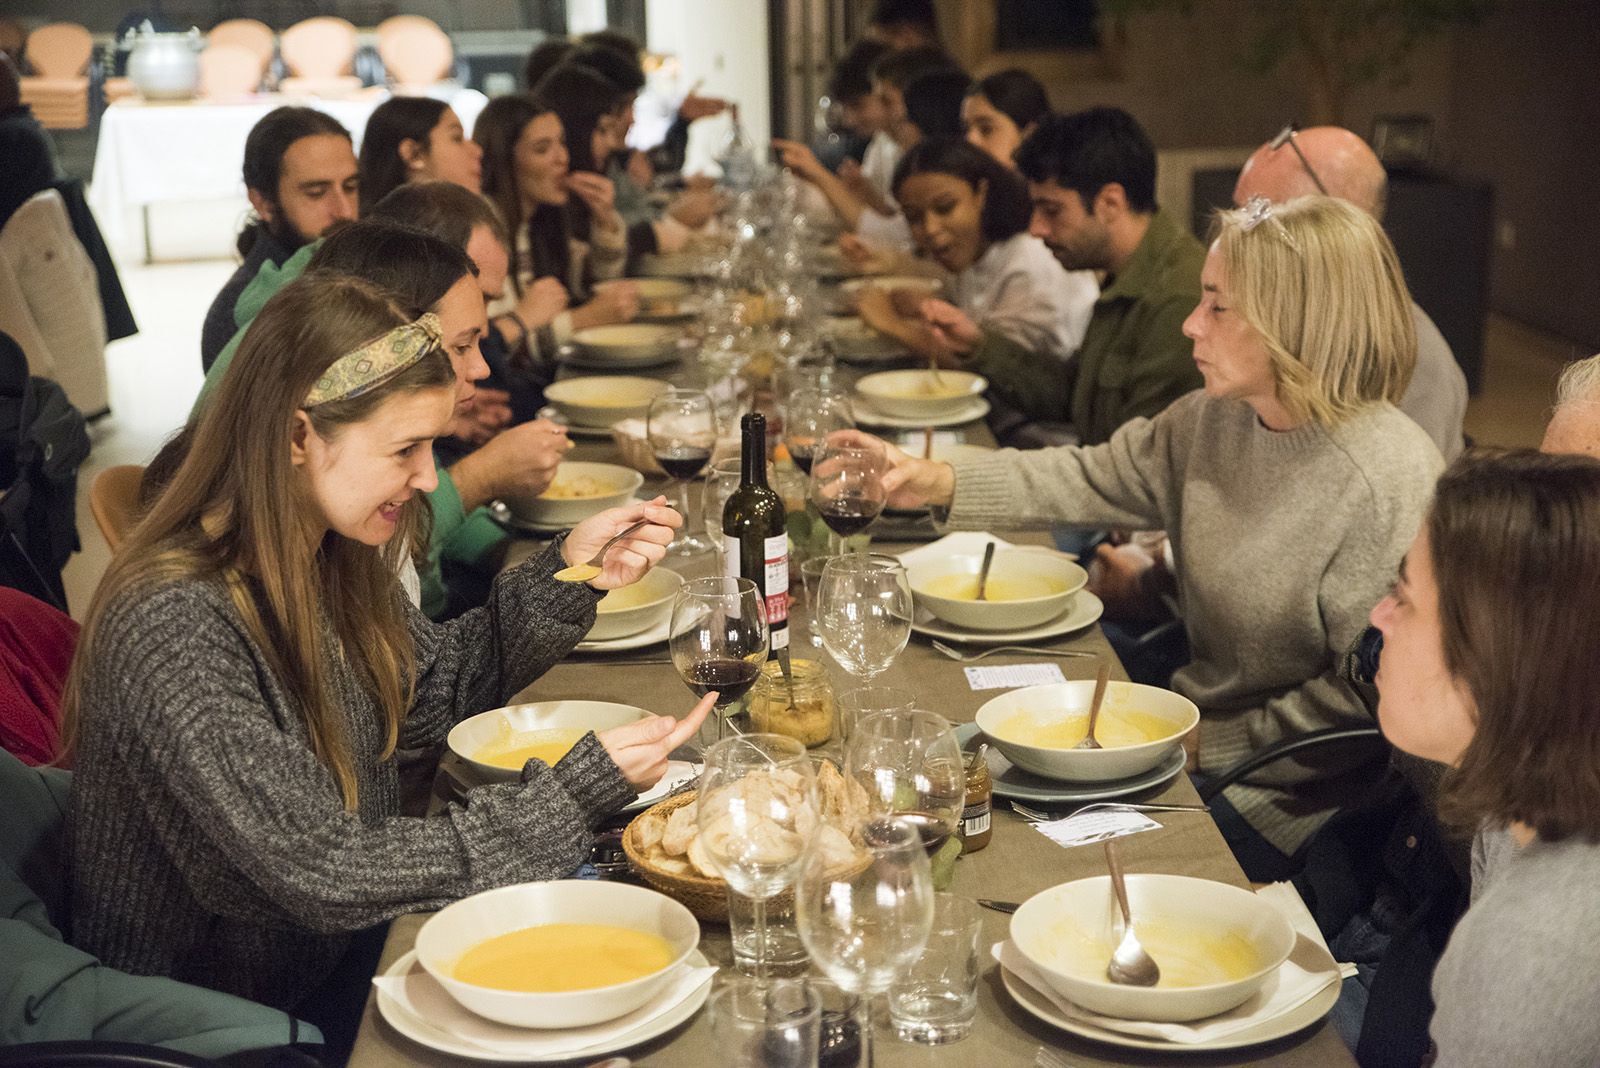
<point x="416" y="139"/>
<point x="1491" y="666"/>
<point x="249" y="665"/>
<point x="970" y="215"/>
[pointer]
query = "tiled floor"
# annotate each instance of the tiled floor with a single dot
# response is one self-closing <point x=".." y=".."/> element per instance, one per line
<point x="156" y="374"/>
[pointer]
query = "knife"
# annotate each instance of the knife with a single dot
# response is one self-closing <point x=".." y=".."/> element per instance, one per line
<point x="1007" y="907"/>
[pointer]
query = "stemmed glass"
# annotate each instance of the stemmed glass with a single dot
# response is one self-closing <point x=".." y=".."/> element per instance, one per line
<point x="721" y="481"/>
<point x="847" y="488"/>
<point x="809" y="416"/>
<point x="757" y="809"/>
<point x="718" y="638"/>
<point x="682" y="429"/>
<point x="863" y="925"/>
<point x="911" y="766"/>
<point x="863" y="612"/>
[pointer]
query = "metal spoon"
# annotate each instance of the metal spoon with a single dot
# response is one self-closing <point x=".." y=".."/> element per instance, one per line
<point x="1101" y="679"/>
<point x="585" y="572"/>
<point x="983" y="572"/>
<point x="1130" y="965"/>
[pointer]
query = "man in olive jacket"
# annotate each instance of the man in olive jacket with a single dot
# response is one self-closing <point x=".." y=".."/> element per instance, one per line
<point x="1092" y="178"/>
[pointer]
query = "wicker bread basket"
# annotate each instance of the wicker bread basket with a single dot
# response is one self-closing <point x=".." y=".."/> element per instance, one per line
<point x="705" y="897"/>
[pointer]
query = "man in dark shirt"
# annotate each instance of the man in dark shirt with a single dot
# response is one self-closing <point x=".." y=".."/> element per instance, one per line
<point x="300" y="175"/>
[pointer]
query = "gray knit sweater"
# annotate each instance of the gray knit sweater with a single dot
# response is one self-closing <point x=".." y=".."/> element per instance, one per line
<point x="1283" y="541"/>
<point x="210" y="845"/>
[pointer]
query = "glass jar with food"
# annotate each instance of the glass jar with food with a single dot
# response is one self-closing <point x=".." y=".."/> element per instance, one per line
<point x="807" y="717"/>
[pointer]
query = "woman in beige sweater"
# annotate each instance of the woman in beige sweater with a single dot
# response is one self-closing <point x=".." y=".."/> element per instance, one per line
<point x="1290" y="486"/>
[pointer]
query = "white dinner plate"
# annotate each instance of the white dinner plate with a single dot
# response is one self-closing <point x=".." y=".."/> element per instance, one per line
<point x="1084" y="610"/>
<point x="574" y="430"/>
<point x="1280" y="1026"/>
<point x="578" y="357"/>
<point x="424" y="1033"/>
<point x="649" y="636"/>
<point x="868" y="414"/>
<point x="678" y="773"/>
<point x="504" y="516"/>
<point x="1014" y="784"/>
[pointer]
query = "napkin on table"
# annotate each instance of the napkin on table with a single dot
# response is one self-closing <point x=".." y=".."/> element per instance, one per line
<point x="1298" y="980"/>
<point x="419" y="994"/>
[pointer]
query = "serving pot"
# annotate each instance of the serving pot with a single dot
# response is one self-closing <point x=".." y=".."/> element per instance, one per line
<point x="164" y="66"/>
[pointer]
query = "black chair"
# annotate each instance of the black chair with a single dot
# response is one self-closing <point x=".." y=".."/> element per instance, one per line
<point x="1287" y="748"/>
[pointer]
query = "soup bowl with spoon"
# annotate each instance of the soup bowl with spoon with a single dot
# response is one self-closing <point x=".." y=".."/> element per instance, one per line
<point x="1039" y="728"/>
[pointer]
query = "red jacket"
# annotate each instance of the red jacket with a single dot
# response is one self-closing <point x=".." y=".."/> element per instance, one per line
<point x="36" y="644"/>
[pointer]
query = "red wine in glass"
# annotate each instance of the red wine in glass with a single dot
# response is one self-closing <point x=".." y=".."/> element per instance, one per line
<point x="934" y="830"/>
<point x="730" y="677"/>
<point x="802" y="453"/>
<point x="849" y="513"/>
<point x="683" y="462"/>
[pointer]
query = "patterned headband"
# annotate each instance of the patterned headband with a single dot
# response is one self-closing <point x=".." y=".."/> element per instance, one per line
<point x="376" y="362"/>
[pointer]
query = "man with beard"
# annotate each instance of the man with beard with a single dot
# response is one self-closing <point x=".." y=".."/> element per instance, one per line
<point x="300" y="175"/>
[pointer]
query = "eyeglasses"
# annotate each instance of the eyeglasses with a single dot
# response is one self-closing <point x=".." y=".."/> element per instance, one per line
<point x="1286" y="137"/>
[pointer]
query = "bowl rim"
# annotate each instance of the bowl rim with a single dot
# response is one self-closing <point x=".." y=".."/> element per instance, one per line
<point x="445" y="979"/>
<point x="553" y="392"/>
<point x="655" y="333"/>
<point x="1281" y="921"/>
<point x="988" y="707"/>
<point x="922" y="565"/>
<point x="451" y="737"/>
<point x="634" y="480"/>
<point x="668" y="592"/>
<point x="974" y="383"/>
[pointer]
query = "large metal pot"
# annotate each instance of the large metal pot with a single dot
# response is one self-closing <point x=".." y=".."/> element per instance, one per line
<point x="164" y="66"/>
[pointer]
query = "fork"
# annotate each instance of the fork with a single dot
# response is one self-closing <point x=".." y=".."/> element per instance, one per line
<point x="966" y="658"/>
<point x="1040" y="816"/>
<point x="1049" y="1058"/>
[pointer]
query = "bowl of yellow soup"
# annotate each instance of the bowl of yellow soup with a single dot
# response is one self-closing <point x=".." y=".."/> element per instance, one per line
<point x="559" y="954"/>
<point x="1025" y="588"/>
<point x="627" y="342"/>
<point x="636" y="607"/>
<point x="1038" y="728"/>
<point x="579" y="490"/>
<point x="921" y="394"/>
<point x="1216" y="945"/>
<point x="496" y="744"/>
<point x="604" y="400"/>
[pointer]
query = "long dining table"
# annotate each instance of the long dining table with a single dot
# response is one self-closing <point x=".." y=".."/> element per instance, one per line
<point x="1019" y="861"/>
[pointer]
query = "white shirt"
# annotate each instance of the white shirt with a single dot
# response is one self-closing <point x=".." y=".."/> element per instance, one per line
<point x="878" y="163"/>
<point x="1018" y="288"/>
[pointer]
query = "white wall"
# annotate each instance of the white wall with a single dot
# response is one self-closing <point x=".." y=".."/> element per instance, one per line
<point x="724" y="44"/>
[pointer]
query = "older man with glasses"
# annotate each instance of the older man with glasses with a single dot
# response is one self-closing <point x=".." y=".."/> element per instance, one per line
<point x="1337" y="163"/>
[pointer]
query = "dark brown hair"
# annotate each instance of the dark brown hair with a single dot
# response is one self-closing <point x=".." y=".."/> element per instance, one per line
<point x="498" y="128"/>
<point x="1515" y="541"/>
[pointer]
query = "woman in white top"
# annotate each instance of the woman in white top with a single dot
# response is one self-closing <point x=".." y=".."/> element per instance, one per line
<point x="970" y="214"/>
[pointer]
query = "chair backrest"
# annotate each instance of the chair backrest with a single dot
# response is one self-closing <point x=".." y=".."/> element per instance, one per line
<point x="321" y="47"/>
<point x="230" y="70"/>
<point x="114" y="500"/>
<point x="60" y="50"/>
<point x="245" y="33"/>
<point x="414" y="50"/>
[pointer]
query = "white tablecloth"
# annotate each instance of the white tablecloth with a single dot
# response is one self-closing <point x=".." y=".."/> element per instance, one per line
<point x="163" y="153"/>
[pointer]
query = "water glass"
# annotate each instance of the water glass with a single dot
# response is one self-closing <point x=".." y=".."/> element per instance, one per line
<point x="810" y="579"/>
<point x="936" y="999"/>
<point x="765" y="1025"/>
<point x="781" y="952"/>
<point x="857" y="704"/>
<point x="863" y="612"/>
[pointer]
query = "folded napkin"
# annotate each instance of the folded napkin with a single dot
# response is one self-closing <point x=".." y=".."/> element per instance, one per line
<point x="1299" y="979"/>
<point x="420" y="995"/>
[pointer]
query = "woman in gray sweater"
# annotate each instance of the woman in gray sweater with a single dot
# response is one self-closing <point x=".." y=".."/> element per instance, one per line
<point x="1289" y="487"/>
<point x="250" y="663"/>
<point x="1491" y="665"/>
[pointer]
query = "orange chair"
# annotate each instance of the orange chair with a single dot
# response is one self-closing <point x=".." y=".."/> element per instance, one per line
<point x="58" y="89"/>
<point x="229" y="70"/>
<point x="319" y="53"/>
<point x="245" y="33"/>
<point x="416" y="53"/>
<point x="114" y="501"/>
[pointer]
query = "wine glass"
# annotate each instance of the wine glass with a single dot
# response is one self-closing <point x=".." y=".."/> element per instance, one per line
<point x="911" y="766"/>
<point x="721" y="481"/>
<point x="809" y="416"/>
<point x="847" y="488"/>
<point x="863" y="924"/>
<point x="863" y="612"/>
<point x="718" y="638"/>
<point x="682" y="429"/>
<point x="757" y="810"/>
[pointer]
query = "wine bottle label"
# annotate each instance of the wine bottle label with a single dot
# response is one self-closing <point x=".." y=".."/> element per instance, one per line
<point x="775" y="582"/>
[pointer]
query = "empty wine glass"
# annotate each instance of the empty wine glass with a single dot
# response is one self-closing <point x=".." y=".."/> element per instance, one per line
<point x="864" y="924"/>
<point x="911" y="766"/>
<point x="809" y="416"/>
<point x="721" y="481"/>
<point x="682" y="428"/>
<point x="863" y="612"/>
<point x="718" y="639"/>
<point x="847" y="488"/>
<point x="757" y="810"/>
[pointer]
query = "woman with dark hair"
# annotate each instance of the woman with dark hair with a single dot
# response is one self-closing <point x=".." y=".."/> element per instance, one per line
<point x="1491" y="666"/>
<point x="970" y="215"/>
<point x="1000" y="111"/>
<point x="933" y="106"/>
<point x="527" y="176"/>
<point x="416" y="139"/>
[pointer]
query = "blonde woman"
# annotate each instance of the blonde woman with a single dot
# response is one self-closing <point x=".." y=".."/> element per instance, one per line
<point x="249" y="665"/>
<point x="1289" y="485"/>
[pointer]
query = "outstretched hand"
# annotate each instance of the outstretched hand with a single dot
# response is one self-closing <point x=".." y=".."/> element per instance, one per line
<point x="640" y="750"/>
<point x="909" y="482"/>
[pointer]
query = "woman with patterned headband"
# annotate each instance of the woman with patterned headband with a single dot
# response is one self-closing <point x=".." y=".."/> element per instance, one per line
<point x="249" y="665"/>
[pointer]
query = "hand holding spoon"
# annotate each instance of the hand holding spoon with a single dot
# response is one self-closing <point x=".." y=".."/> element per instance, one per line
<point x="591" y="570"/>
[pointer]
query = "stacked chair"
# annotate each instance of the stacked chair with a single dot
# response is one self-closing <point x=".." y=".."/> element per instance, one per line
<point x="237" y="54"/>
<point x="58" y="88"/>
<point x="416" y="53"/>
<point x="319" y="53"/>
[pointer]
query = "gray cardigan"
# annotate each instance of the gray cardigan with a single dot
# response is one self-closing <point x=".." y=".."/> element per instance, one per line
<point x="210" y="844"/>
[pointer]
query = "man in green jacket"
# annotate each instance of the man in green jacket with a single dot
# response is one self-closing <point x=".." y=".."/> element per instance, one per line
<point x="1092" y="177"/>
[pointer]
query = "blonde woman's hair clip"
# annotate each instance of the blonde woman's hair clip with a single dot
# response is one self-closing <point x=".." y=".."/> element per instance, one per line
<point x="1256" y="211"/>
<point x="377" y="361"/>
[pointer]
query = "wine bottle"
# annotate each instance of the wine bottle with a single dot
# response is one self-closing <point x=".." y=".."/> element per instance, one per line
<point x="754" y="537"/>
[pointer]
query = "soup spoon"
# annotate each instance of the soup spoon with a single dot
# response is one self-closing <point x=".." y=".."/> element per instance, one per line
<point x="1101" y="680"/>
<point x="983" y="572"/>
<point x="592" y="569"/>
<point x="1130" y="965"/>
